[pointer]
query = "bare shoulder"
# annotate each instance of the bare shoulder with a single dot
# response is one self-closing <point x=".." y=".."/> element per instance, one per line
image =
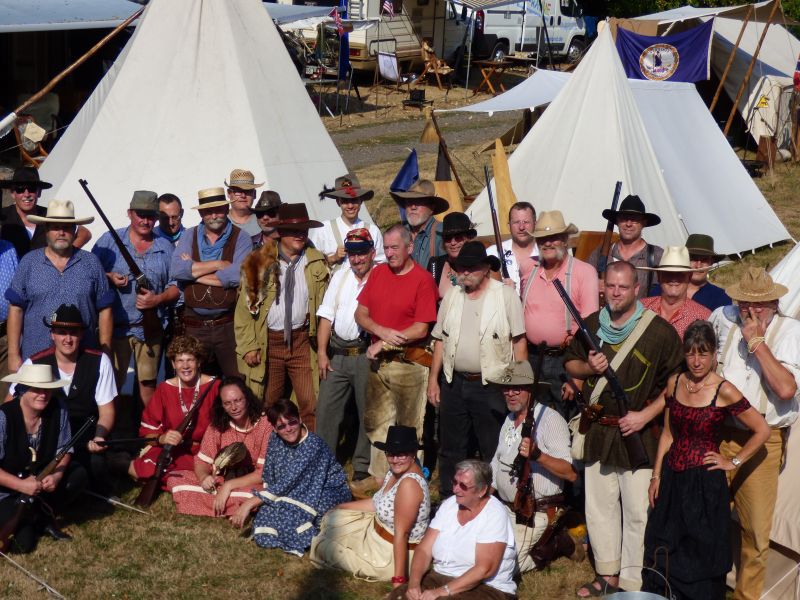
<point x="728" y="394"/>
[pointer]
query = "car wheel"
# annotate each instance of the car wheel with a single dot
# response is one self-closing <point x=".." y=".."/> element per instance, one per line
<point x="576" y="49"/>
<point x="499" y="52"/>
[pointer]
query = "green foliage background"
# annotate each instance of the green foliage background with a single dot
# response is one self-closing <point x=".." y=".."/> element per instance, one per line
<point x="635" y="8"/>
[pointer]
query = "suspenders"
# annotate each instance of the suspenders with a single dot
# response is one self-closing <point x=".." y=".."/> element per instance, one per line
<point x="567" y="316"/>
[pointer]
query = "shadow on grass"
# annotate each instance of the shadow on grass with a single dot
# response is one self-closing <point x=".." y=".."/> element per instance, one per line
<point x="330" y="584"/>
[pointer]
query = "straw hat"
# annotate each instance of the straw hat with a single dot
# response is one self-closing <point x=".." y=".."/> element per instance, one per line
<point x="211" y="198"/>
<point x="36" y="376"/>
<point x="422" y="190"/>
<point x="756" y="285"/>
<point x="551" y="222"/>
<point x="60" y="211"/>
<point x="242" y="179"/>
<point x="674" y="260"/>
<point x="347" y="187"/>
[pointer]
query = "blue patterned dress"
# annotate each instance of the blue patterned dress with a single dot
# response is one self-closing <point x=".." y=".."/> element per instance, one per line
<point x="301" y="483"/>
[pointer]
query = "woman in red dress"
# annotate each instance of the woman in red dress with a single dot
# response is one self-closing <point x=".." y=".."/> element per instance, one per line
<point x="236" y="416"/>
<point x="169" y="405"/>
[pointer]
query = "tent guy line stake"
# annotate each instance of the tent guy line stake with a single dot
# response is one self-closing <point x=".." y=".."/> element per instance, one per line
<point x="50" y="590"/>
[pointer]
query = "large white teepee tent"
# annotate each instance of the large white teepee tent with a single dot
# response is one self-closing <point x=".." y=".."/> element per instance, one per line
<point x="657" y="138"/>
<point x="201" y="88"/>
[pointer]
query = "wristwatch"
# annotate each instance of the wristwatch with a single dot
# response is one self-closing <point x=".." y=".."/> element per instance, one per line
<point x="737" y="462"/>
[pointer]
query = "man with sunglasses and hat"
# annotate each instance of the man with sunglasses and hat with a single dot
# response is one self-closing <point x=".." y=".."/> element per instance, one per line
<point x="274" y="337"/>
<point x="153" y="256"/>
<point x="89" y="389"/>
<point x="328" y="239"/>
<point x="341" y="350"/>
<point x="421" y="203"/>
<point x="24" y="234"/>
<point x="631" y="218"/>
<point x="206" y="265"/>
<point x="266" y="211"/>
<point x="478" y="333"/>
<point x="242" y="188"/>
<point x="57" y="274"/>
<point x="759" y="353"/>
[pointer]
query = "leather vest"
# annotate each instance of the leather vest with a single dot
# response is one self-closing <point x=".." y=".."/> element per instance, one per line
<point x="197" y="295"/>
<point x="17" y="458"/>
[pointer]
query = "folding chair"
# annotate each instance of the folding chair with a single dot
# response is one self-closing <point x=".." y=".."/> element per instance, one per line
<point x="434" y="66"/>
<point x="389" y="70"/>
<point x="31" y="152"/>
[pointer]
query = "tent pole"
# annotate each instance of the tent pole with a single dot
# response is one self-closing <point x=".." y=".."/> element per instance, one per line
<point x="469" y="52"/>
<point x="746" y="79"/>
<point x="8" y="121"/>
<point x="730" y="59"/>
<point x="443" y="145"/>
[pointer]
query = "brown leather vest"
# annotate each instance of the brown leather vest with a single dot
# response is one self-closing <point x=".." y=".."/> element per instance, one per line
<point x="197" y="295"/>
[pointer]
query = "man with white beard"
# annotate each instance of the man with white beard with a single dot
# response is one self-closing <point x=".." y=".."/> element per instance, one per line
<point x="421" y="203"/>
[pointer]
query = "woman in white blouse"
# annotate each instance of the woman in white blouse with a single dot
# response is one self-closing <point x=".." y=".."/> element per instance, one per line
<point x="375" y="538"/>
<point x="470" y="542"/>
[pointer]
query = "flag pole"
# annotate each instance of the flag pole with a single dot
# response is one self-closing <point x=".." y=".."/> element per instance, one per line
<point x="730" y="59"/>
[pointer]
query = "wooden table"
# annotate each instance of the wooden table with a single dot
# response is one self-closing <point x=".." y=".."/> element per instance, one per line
<point x="491" y="69"/>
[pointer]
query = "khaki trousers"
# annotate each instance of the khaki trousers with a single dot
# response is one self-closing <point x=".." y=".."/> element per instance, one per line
<point x="754" y="488"/>
<point x="616" y="516"/>
<point x="526" y="537"/>
<point x="395" y="396"/>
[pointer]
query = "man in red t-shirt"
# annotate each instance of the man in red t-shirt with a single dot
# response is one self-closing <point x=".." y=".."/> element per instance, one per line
<point x="397" y="307"/>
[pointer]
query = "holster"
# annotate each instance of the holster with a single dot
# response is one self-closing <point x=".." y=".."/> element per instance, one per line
<point x="589" y="414"/>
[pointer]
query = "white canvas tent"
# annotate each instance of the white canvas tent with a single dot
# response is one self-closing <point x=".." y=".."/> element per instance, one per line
<point x="657" y="138"/>
<point x="201" y="88"/>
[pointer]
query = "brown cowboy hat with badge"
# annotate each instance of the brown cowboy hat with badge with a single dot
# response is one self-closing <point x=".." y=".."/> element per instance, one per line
<point x="211" y="198"/>
<point x="632" y="205"/>
<point x="242" y="179"/>
<point x="756" y="285"/>
<point x="294" y="216"/>
<point x="346" y="187"/>
<point x="421" y="191"/>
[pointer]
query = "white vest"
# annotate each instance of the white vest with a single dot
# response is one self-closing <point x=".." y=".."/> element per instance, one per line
<point x="495" y="331"/>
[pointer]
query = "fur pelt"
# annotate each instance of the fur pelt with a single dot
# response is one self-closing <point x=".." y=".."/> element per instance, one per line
<point x="258" y="268"/>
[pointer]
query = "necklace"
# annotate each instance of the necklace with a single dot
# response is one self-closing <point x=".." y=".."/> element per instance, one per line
<point x="244" y="431"/>
<point x="194" y="398"/>
<point x="699" y="386"/>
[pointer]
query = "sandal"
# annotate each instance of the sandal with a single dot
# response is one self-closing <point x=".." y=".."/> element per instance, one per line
<point x="593" y="592"/>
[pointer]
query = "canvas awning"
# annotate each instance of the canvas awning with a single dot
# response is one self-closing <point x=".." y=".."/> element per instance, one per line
<point x="684" y="13"/>
<point x="486" y="4"/>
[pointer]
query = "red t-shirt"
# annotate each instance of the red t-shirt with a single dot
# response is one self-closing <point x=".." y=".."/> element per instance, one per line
<point x="399" y="301"/>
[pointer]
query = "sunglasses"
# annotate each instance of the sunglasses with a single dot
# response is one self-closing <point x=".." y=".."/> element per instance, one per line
<point x="458" y="237"/>
<point x="462" y="486"/>
<point x="289" y="423"/>
<point x="21" y="189"/>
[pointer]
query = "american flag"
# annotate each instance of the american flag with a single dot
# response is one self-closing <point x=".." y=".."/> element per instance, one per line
<point x="388" y="8"/>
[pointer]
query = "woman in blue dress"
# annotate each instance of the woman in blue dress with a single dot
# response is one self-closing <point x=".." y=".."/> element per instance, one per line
<point x="302" y="481"/>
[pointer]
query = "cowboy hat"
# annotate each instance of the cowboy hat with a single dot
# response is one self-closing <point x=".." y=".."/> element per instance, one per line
<point x="674" y="260"/>
<point x="551" y="222"/>
<point x="632" y="205"/>
<point x="455" y="223"/>
<point x="67" y="316"/>
<point x="60" y="211"/>
<point x="473" y="254"/>
<point x="211" y="198"/>
<point x="422" y="190"/>
<point x="267" y="201"/>
<point x="347" y="187"/>
<point x="399" y="440"/>
<point x="36" y="376"/>
<point x="518" y="372"/>
<point x="702" y="245"/>
<point x="294" y="216"/>
<point x="756" y="285"/>
<point x="26" y="176"/>
<point x="242" y="179"/>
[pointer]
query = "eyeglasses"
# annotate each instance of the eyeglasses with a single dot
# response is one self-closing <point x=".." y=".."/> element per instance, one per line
<point x="289" y="423"/>
<point x="462" y="486"/>
<point x="21" y="189"/>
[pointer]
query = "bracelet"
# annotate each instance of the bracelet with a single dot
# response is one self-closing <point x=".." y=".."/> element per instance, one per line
<point x="399" y="579"/>
<point x="754" y="343"/>
<point x="447" y="589"/>
<point x="654" y="477"/>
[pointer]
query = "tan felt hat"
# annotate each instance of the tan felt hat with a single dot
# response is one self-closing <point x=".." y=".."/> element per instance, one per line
<point x="756" y="285"/>
<point x="674" y="260"/>
<point x="60" y="211"/>
<point x="551" y="222"/>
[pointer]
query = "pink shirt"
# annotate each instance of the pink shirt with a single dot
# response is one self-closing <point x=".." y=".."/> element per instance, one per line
<point x="689" y="312"/>
<point x="545" y="313"/>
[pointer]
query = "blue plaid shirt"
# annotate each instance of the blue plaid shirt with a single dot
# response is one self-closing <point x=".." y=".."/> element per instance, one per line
<point x="8" y="265"/>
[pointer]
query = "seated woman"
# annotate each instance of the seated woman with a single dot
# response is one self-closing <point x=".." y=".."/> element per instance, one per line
<point x="372" y="538"/>
<point x="689" y="494"/>
<point x="235" y="418"/>
<point x="169" y="405"/>
<point x="302" y="481"/>
<point x="471" y="544"/>
<point x="33" y="429"/>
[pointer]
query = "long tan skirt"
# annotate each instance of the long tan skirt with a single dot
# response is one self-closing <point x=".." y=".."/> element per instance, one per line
<point x="348" y="541"/>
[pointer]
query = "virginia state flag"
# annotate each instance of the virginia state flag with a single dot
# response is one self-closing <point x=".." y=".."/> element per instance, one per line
<point x="680" y="57"/>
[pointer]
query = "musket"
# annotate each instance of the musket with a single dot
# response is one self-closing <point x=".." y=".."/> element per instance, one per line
<point x="495" y="225"/>
<point x="633" y="442"/>
<point x="24" y="501"/>
<point x="150" y="321"/>
<point x="139" y="440"/>
<point x="605" y="247"/>
<point x="524" y="499"/>
<point x="150" y="489"/>
<point x="48" y="588"/>
<point x="115" y="502"/>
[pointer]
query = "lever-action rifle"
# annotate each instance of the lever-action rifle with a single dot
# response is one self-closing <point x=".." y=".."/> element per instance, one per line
<point x="150" y="489"/>
<point x="495" y="225"/>
<point x="633" y="442"/>
<point x="150" y="321"/>
<point x="524" y="500"/>
<point x="24" y="501"/>
<point x="605" y="247"/>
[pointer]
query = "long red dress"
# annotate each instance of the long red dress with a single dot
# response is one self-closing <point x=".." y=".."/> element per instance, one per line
<point x="191" y="499"/>
<point x="165" y="411"/>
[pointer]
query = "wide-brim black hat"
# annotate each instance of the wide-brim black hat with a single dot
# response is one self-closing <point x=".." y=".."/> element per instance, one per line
<point x="26" y="176"/>
<point x="473" y="254"/>
<point x="67" y="316"/>
<point x="632" y="205"/>
<point x="399" y="439"/>
<point x="457" y="222"/>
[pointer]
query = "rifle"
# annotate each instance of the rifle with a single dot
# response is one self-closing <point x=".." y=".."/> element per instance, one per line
<point x="524" y="500"/>
<point x="150" y="321"/>
<point x="150" y="489"/>
<point x="633" y="442"/>
<point x="147" y="441"/>
<point x="605" y="248"/>
<point x="495" y="225"/>
<point x="24" y="501"/>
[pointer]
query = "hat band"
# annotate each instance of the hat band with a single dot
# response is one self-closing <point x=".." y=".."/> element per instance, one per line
<point x="749" y="293"/>
<point x="212" y="199"/>
<point x="293" y="221"/>
<point x="349" y="190"/>
<point x="235" y="182"/>
<point x="59" y="217"/>
<point x="66" y="324"/>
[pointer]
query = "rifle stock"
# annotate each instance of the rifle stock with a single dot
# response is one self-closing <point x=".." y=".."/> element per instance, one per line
<point x="495" y="225"/>
<point x="633" y="442"/>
